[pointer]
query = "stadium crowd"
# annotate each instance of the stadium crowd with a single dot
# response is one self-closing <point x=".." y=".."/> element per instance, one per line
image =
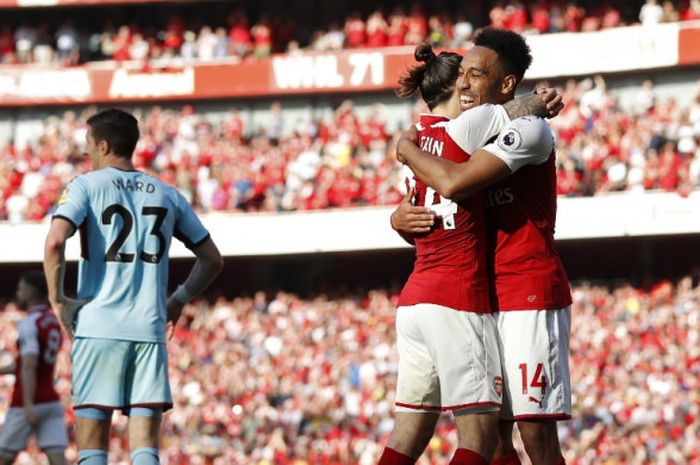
<point x="239" y="35"/>
<point x="346" y="161"/>
<point x="276" y="379"/>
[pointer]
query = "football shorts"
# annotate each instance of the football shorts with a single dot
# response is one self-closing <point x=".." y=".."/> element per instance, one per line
<point x="117" y="374"/>
<point x="50" y="431"/>
<point x="535" y="348"/>
<point x="448" y="360"/>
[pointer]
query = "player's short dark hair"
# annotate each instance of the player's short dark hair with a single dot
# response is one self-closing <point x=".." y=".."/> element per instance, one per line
<point x="435" y="77"/>
<point x="513" y="52"/>
<point x="118" y="127"/>
<point x="37" y="281"/>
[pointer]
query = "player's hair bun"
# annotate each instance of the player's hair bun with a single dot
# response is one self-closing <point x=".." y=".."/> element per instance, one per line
<point x="424" y="53"/>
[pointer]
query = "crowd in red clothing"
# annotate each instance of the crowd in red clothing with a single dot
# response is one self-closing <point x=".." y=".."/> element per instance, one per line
<point x="237" y="34"/>
<point x="653" y="144"/>
<point x="276" y="379"/>
<point x="346" y="160"/>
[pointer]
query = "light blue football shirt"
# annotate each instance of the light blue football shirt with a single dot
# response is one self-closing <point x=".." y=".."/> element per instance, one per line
<point x="126" y="221"/>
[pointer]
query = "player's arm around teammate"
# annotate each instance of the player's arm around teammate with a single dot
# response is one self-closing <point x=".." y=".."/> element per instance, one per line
<point x="457" y="181"/>
<point x="409" y="219"/>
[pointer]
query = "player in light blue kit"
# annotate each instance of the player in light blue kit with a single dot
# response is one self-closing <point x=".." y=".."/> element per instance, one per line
<point x="126" y="220"/>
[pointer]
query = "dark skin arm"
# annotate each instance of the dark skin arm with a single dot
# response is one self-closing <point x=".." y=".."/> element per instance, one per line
<point x="454" y="181"/>
<point x="545" y="102"/>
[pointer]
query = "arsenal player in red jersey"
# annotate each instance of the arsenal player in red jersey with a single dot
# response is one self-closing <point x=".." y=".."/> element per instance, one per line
<point x="35" y="407"/>
<point x="531" y="288"/>
<point x="446" y="333"/>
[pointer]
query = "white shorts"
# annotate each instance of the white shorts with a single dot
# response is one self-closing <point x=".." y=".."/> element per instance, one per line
<point x="50" y="431"/>
<point x="448" y="360"/>
<point x="535" y="348"/>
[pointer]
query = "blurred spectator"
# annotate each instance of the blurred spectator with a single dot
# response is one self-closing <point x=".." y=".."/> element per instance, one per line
<point x="645" y="99"/>
<point x="334" y="38"/>
<point x="377" y="29"/>
<point x="437" y="35"/>
<point x="462" y="31"/>
<point x="541" y="17"/>
<point x="25" y="39"/>
<point x="139" y="48"/>
<point x="121" y="44"/>
<point x="7" y="44"/>
<point x="261" y="34"/>
<point x="573" y="17"/>
<point x="416" y="25"/>
<point x="355" y="31"/>
<point x="207" y="44"/>
<point x="239" y="37"/>
<point x="692" y="12"/>
<point x="396" y="31"/>
<point x="67" y="44"/>
<point x="651" y="13"/>
<point x="188" y="49"/>
<point x="611" y="18"/>
<point x="516" y="14"/>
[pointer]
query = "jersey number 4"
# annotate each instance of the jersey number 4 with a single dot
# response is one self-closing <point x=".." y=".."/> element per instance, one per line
<point x="113" y="253"/>
<point x="446" y="209"/>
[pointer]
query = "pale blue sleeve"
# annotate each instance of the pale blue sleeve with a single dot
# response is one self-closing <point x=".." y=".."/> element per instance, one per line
<point x="74" y="203"/>
<point x="188" y="228"/>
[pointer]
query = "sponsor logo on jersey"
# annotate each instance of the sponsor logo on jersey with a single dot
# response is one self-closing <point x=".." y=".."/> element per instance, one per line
<point x="64" y="197"/>
<point x="497" y="197"/>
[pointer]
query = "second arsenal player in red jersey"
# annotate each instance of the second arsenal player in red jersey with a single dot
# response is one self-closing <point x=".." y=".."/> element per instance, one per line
<point x="35" y="407"/>
<point x="531" y="288"/>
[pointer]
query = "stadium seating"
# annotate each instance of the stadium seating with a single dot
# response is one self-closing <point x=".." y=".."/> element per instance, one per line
<point x="347" y="161"/>
<point x="238" y="34"/>
<point x="284" y="380"/>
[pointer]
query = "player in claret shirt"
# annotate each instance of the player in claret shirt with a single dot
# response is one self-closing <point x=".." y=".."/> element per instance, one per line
<point x="127" y="220"/>
<point x="531" y="288"/>
<point x="449" y="358"/>
<point x="35" y="407"/>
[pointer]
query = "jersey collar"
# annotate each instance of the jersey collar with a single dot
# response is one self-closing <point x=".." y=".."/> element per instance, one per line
<point x="429" y="118"/>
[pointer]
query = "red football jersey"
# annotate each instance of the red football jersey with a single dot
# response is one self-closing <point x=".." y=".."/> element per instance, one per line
<point x="39" y="334"/>
<point x="521" y="213"/>
<point x="450" y="268"/>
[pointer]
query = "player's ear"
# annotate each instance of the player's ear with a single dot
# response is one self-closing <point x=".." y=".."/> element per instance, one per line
<point x="103" y="147"/>
<point x="508" y="84"/>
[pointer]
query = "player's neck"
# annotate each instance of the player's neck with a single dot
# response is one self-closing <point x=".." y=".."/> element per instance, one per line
<point x="446" y="109"/>
<point x="115" y="161"/>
